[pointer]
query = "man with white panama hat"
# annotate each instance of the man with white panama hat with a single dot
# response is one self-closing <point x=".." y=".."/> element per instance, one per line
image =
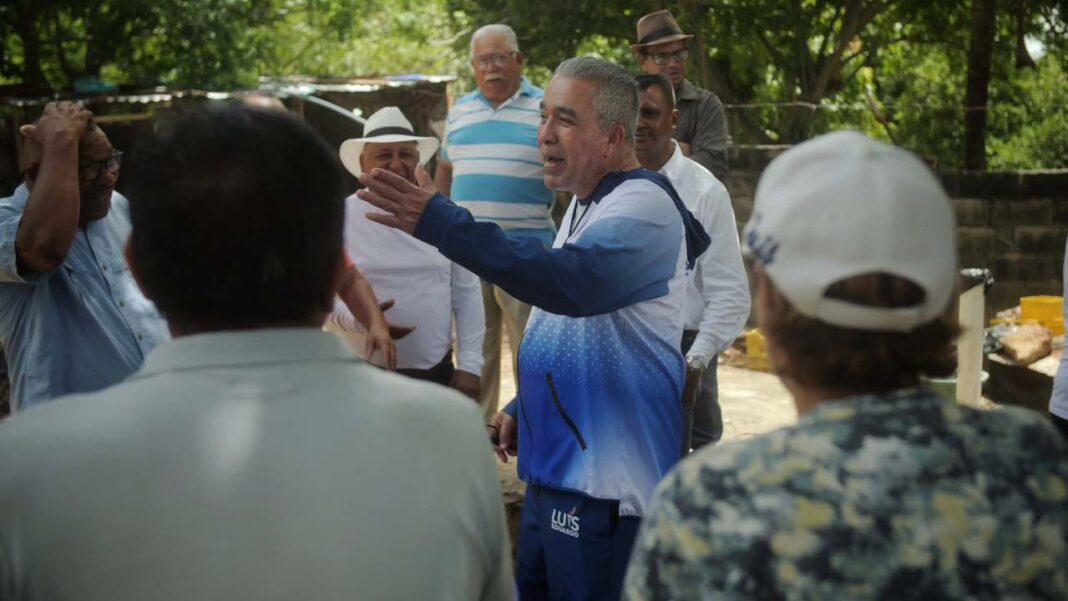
<point x="413" y="272"/>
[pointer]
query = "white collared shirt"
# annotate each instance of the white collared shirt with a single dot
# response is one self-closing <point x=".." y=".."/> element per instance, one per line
<point x="717" y="295"/>
<point x="428" y="289"/>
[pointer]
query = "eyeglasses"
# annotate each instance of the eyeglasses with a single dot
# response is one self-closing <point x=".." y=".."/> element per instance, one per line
<point x="662" y="58"/>
<point x="91" y="171"/>
<point x="498" y="59"/>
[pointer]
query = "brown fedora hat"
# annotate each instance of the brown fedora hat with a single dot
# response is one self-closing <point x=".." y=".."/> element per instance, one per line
<point x="658" y="28"/>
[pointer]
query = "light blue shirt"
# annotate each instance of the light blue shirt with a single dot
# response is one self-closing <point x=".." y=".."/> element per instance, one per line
<point x="497" y="170"/>
<point x="83" y="326"/>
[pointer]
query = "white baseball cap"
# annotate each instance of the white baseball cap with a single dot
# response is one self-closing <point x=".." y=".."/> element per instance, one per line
<point x="843" y="205"/>
<point x="386" y="126"/>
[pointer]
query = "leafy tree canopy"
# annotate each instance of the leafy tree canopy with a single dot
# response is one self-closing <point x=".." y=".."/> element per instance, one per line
<point x="788" y="69"/>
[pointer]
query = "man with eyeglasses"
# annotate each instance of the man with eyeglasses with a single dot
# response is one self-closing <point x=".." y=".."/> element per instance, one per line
<point x="71" y="316"/>
<point x="702" y="129"/>
<point x="490" y="164"/>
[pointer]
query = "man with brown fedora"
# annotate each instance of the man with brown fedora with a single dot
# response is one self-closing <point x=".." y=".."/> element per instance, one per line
<point x="702" y="128"/>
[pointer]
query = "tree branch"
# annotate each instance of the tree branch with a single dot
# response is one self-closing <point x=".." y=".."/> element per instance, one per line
<point x="854" y="20"/>
<point x="776" y="56"/>
<point x="879" y="115"/>
<point x="827" y="35"/>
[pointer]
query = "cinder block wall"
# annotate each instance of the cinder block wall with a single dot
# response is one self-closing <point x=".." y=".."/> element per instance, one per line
<point x="1014" y="224"/>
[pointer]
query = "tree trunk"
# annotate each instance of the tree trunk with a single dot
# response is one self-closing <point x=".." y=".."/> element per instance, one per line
<point x="1023" y="57"/>
<point x="26" y="29"/>
<point x="977" y="93"/>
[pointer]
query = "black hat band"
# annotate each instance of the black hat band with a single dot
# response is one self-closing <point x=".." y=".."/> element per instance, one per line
<point x="385" y="131"/>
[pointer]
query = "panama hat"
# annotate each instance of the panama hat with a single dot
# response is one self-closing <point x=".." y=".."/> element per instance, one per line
<point x="387" y="126"/>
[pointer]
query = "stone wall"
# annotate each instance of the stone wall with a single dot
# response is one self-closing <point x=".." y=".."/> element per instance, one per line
<point x="1014" y="224"/>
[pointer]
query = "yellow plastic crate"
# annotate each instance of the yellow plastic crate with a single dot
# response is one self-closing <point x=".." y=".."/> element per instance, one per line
<point x="1042" y="308"/>
<point x="756" y="351"/>
<point x="1055" y="326"/>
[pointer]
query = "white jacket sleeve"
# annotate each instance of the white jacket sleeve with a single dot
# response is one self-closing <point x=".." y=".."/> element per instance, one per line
<point x="1058" y="403"/>
<point x="470" y="317"/>
<point x="721" y="279"/>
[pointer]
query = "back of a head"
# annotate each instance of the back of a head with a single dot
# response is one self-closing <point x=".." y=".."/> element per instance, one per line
<point x="237" y="215"/>
<point x="616" y="99"/>
<point x="263" y="100"/>
<point x="856" y="241"/>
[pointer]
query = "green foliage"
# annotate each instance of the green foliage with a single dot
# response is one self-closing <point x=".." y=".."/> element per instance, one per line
<point x="790" y="69"/>
<point x="787" y="69"/>
<point x="348" y="38"/>
<point x="225" y="43"/>
<point x="1030" y="120"/>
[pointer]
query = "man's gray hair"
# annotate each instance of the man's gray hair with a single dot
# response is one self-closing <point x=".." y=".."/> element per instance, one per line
<point x="616" y="98"/>
<point x="496" y="29"/>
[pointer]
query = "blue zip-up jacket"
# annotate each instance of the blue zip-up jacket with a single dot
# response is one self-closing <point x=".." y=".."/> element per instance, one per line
<point x="600" y="371"/>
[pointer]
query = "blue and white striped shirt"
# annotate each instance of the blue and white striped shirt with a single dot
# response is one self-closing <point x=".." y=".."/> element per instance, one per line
<point x="497" y="168"/>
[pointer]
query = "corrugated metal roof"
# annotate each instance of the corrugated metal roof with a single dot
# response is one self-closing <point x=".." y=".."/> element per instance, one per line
<point x="289" y="86"/>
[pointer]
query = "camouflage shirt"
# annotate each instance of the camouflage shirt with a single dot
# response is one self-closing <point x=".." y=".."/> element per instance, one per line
<point x="898" y="496"/>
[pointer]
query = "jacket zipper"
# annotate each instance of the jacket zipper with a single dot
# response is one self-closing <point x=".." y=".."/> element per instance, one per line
<point x="519" y="390"/>
<point x="563" y="414"/>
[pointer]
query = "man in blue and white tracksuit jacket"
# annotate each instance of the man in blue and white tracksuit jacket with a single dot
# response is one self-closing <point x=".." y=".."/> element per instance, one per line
<point x="600" y="371"/>
<point x="598" y="414"/>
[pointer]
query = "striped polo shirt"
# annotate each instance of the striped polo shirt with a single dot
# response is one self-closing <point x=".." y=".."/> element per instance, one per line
<point x="497" y="170"/>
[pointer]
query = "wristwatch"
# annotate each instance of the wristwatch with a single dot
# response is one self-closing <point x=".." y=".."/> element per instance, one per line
<point x="696" y="363"/>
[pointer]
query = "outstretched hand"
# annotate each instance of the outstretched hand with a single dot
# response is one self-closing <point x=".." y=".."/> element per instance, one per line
<point x="403" y="201"/>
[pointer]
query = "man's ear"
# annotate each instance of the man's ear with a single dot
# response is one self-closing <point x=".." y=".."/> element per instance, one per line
<point x="616" y="137"/>
<point x="135" y="270"/>
<point x="519" y="58"/>
<point x="674" y="119"/>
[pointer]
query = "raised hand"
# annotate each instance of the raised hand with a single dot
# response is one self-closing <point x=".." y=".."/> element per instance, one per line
<point x="401" y="199"/>
<point x="62" y="122"/>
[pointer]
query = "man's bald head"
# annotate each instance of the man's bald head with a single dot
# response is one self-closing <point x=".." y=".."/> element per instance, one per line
<point x="263" y="100"/>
